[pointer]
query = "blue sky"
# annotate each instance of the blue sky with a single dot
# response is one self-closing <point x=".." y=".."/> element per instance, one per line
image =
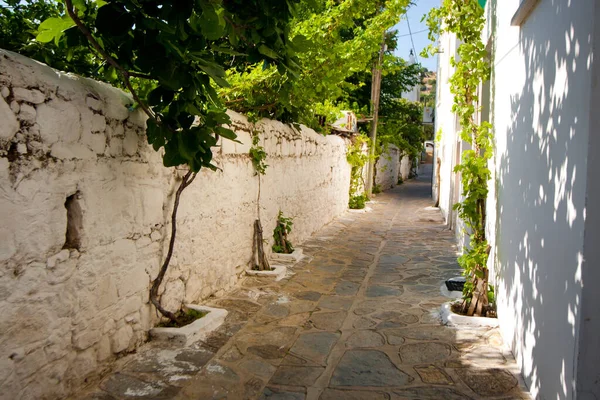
<point x="419" y="32"/>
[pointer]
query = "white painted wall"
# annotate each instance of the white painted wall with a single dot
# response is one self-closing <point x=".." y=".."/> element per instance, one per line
<point x="414" y="93"/>
<point x="541" y="117"/>
<point x="388" y="168"/>
<point x="588" y="349"/>
<point x="405" y="163"/>
<point x="445" y="149"/>
<point x="67" y="314"/>
<point x="536" y="207"/>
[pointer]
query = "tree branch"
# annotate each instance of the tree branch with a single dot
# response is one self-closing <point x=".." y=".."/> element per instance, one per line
<point x="126" y="74"/>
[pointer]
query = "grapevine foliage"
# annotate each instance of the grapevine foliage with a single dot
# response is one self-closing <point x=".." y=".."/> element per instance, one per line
<point x="465" y="19"/>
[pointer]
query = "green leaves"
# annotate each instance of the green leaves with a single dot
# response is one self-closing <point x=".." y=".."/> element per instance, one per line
<point x="53" y="29"/>
<point x="267" y="52"/>
<point x="211" y="23"/>
<point x="465" y="19"/>
<point x="280" y="235"/>
<point x="114" y="20"/>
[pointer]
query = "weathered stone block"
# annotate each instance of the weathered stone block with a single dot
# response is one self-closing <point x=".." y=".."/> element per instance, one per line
<point x="98" y="123"/>
<point x="58" y="120"/>
<point x="121" y="339"/>
<point x="130" y="143"/>
<point x="10" y="125"/>
<point x="106" y="293"/>
<point x="93" y="103"/>
<point x="27" y="113"/>
<point x="103" y="349"/>
<point x="86" y="339"/>
<point x="29" y="95"/>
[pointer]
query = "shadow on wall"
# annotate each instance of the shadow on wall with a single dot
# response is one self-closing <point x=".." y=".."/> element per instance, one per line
<point x="541" y="194"/>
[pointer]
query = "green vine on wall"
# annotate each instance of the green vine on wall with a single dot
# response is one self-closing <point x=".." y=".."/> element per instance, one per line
<point x="465" y="19"/>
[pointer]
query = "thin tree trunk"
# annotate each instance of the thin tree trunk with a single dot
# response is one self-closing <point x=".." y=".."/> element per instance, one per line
<point x="283" y="239"/>
<point x="261" y="260"/>
<point x="187" y="180"/>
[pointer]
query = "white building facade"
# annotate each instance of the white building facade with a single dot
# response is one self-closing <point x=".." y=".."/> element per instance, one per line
<point x="543" y="224"/>
<point x="414" y="93"/>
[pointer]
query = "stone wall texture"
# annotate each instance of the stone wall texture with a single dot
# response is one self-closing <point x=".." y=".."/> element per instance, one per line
<point x="73" y="153"/>
<point x="388" y="168"/>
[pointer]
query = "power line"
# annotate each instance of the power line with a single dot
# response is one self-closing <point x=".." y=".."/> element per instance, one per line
<point x="411" y="39"/>
<point x="414" y="33"/>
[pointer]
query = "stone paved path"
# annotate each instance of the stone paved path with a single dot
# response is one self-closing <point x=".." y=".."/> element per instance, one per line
<point x="357" y="320"/>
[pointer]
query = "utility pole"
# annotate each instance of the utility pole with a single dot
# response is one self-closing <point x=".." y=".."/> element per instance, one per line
<point x="375" y="92"/>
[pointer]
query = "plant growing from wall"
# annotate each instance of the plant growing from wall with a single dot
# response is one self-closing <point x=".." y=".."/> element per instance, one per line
<point x="280" y="235"/>
<point x="357" y="157"/>
<point x="465" y="19"/>
<point x="170" y="57"/>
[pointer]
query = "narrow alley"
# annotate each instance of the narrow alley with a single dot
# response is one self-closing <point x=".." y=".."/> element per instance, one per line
<point x="358" y="319"/>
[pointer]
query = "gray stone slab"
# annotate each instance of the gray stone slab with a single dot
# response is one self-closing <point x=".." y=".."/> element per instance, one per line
<point x="488" y="382"/>
<point x="367" y="368"/>
<point x="268" y="351"/>
<point x="338" y="394"/>
<point x="276" y="310"/>
<point x="121" y="385"/>
<point x="296" y="376"/>
<point x="424" y="352"/>
<point x="314" y="346"/>
<point x="427" y="333"/>
<point x="308" y="295"/>
<point x="363" y="323"/>
<point x="430" y="393"/>
<point x="365" y="338"/>
<point x="278" y="394"/>
<point x="381" y="291"/>
<point x="400" y="317"/>
<point x="332" y="269"/>
<point x="393" y="259"/>
<point x="335" y="302"/>
<point x="346" y="288"/>
<point x="257" y="367"/>
<point x="328" y="321"/>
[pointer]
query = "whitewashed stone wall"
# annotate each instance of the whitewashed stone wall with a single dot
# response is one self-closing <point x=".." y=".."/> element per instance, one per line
<point x="388" y="168"/>
<point x="68" y="312"/>
<point x="404" y="168"/>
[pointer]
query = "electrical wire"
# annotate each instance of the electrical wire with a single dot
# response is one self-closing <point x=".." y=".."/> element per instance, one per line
<point x="414" y="33"/>
<point x="411" y="39"/>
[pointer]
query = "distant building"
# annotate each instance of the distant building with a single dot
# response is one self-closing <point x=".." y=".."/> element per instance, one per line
<point x="414" y="93"/>
<point x="428" y="85"/>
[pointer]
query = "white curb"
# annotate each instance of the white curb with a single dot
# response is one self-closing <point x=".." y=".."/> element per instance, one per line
<point x="197" y="330"/>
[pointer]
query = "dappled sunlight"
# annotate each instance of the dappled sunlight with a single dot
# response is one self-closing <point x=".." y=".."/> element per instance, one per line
<point x="541" y="192"/>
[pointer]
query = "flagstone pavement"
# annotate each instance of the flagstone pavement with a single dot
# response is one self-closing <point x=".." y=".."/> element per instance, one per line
<point x="358" y="319"/>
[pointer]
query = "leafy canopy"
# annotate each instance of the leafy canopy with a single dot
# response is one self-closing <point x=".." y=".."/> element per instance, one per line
<point x="170" y="55"/>
<point x="335" y="40"/>
<point x="466" y="20"/>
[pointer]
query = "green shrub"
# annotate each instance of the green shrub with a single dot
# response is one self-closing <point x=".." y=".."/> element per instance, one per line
<point x="280" y="235"/>
<point x="358" y="202"/>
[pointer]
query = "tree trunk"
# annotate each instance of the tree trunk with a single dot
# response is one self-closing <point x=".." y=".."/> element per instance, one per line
<point x="260" y="258"/>
<point x="187" y="180"/>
